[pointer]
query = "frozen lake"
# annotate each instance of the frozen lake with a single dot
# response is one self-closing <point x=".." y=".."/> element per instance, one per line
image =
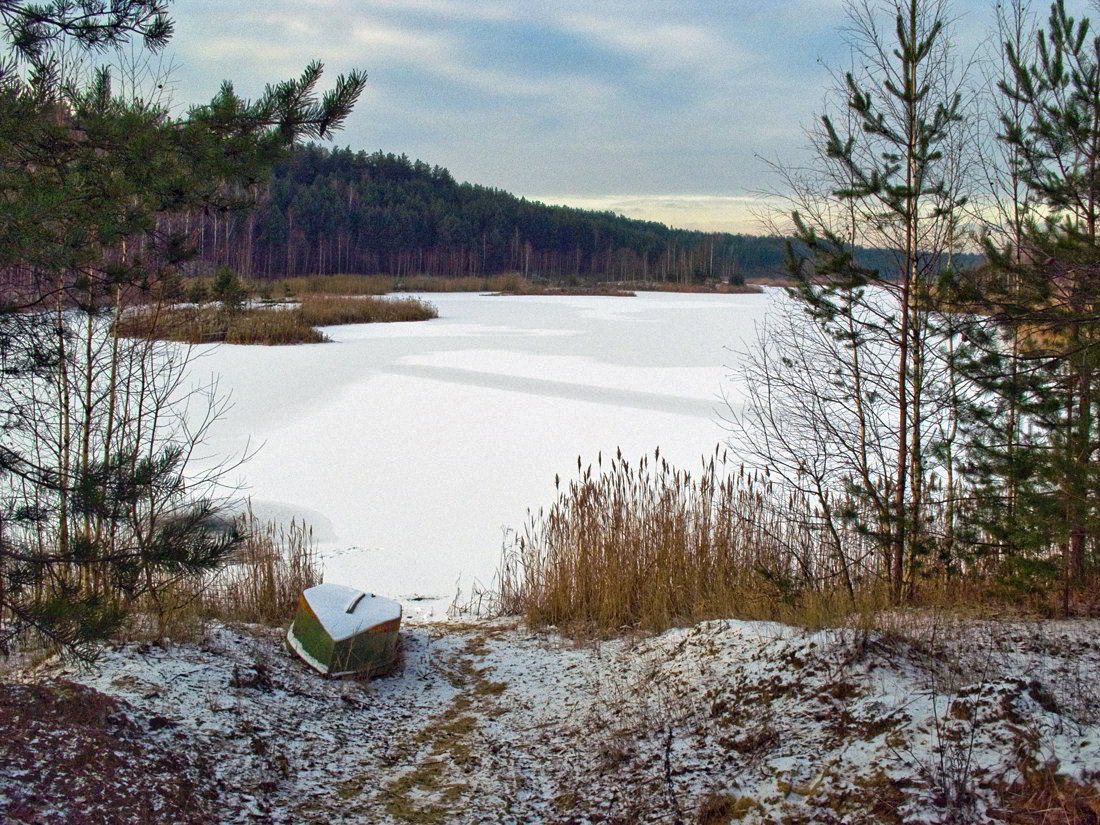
<point x="411" y="448"/>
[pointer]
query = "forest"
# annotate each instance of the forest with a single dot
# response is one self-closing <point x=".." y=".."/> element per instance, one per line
<point x="331" y="210"/>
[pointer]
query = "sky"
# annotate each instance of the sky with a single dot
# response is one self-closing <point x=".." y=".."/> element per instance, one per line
<point x="667" y="110"/>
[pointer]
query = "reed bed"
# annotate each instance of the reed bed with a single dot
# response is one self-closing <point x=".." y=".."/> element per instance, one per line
<point x="323" y="285"/>
<point x="331" y="310"/>
<point x="211" y="323"/>
<point x="268" y="325"/>
<point x="197" y="325"/>
<point x="651" y="546"/>
<point x="382" y="284"/>
<point x="264" y="580"/>
<point x="271" y="327"/>
<point x="677" y="286"/>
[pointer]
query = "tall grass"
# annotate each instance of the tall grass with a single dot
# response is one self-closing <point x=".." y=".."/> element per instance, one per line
<point x="261" y="584"/>
<point x="691" y="287"/>
<point x="322" y="285"/>
<point x="300" y="286"/>
<point x="650" y="546"/>
<point x="269" y="325"/>
<point x="331" y="310"/>
<point x="264" y="580"/>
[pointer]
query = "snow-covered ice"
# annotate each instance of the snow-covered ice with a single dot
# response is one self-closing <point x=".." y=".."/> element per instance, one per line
<point x="414" y="447"/>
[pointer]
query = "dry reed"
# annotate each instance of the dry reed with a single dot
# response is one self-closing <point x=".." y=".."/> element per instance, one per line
<point x="331" y="310"/>
<point x="322" y="285"/>
<point x="678" y="286"/>
<point x="268" y="325"/>
<point x="260" y="584"/>
<point x="272" y="327"/>
<point x="652" y="546"/>
<point x="263" y="581"/>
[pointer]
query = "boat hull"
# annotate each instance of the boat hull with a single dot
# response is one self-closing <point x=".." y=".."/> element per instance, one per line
<point x="370" y="652"/>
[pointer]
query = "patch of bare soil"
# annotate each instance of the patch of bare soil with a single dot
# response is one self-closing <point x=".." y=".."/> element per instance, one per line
<point x="70" y="754"/>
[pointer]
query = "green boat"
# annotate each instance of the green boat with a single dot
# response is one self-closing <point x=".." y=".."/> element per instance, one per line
<point x="341" y="631"/>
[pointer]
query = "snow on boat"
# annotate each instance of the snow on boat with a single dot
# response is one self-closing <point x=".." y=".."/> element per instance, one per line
<point x="341" y="631"/>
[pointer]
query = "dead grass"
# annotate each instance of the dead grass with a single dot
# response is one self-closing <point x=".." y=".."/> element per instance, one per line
<point x="676" y="286"/>
<point x="332" y="310"/>
<point x="263" y="582"/>
<point x="260" y="585"/>
<point x="268" y="325"/>
<point x="272" y="327"/>
<point x="471" y="283"/>
<point x="651" y="547"/>
<point x="297" y="287"/>
<point x="192" y="324"/>
<point x="198" y="289"/>
<point x="1044" y="797"/>
<point x="210" y="323"/>
<point x="322" y="285"/>
<point x="511" y="283"/>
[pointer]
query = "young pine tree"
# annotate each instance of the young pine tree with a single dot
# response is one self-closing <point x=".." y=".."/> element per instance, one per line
<point x="892" y="164"/>
<point x="1035" y="341"/>
<point x="97" y="505"/>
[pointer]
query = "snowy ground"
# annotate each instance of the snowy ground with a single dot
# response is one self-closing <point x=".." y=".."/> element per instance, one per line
<point x="725" y="721"/>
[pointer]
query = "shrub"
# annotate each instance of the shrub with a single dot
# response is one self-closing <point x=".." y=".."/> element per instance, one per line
<point x="228" y="289"/>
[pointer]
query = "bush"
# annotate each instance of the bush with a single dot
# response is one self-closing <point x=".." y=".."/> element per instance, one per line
<point x="229" y="290"/>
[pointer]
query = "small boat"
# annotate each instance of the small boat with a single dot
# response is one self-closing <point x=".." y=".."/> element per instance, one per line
<point x="341" y="631"/>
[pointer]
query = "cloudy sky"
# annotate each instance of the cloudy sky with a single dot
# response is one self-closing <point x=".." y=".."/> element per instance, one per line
<point x="660" y="109"/>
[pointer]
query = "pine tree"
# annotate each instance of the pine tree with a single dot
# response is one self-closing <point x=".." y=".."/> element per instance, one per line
<point x="1035" y="342"/>
<point x="891" y="167"/>
<point x="97" y="503"/>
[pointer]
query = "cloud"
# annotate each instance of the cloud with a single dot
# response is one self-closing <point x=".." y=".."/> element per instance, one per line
<point x="665" y="45"/>
<point x="580" y="96"/>
<point x="707" y="213"/>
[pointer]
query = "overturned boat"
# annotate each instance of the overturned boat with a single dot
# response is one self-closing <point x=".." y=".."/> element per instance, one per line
<point x="341" y="631"/>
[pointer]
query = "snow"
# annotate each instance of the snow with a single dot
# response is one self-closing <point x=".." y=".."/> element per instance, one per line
<point x="344" y="611"/>
<point x="416" y="448"/>
<point x="934" y="719"/>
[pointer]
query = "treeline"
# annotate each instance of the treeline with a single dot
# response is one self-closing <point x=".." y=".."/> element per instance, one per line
<point x="328" y="211"/>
